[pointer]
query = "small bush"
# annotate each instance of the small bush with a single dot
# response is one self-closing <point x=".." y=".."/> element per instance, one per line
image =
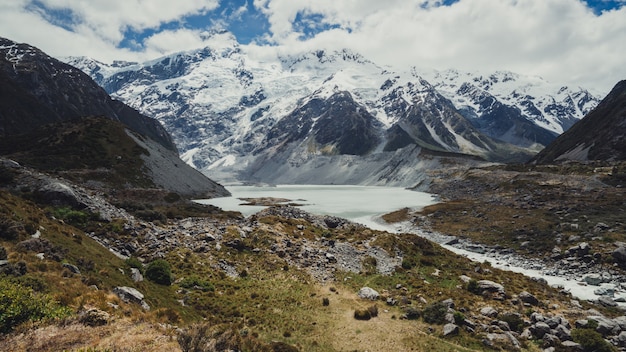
<point x="459" y="318"/>
<point x="362" y="314"/>
<point x="11" y="230"/>
<point x="73" y="217"/>
<point x="325" y="302"/>
<point x="160" y="272"/>
<point x="435" y="313"/>
<point x="472" y="287"/>
<point x="408" y="263"/>
<point x="515" y="321"/>
<point x="19" y="304"/>
<point x="373" y="310"/>
<point x="591" y="340"/>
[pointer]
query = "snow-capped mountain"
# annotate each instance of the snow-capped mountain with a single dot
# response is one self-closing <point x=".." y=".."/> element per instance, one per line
<point x="230" y="111"/>
<point x="523" y="110"/>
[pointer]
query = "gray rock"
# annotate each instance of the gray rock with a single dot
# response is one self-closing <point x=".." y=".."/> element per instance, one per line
<point x="507" y="339"/>
<point x="593" y="279"/>
<point x="73" y="268"/>
<point x="572" y="346"/>
<point x="448" y="303"/>
<point x="450" y="330"/>
<point x="621" y="339"/>
<point x="528" y="298"/>
<point x="581" y="323"/>
<point x="563" y="333"/>
<point x="619" y="255"/>
<point x="489" y="311"/>
<point x="607" y="301"/>
<point x="491" y="289"/>
<point x="621" y="321"/>
<point x="540" y="329"/>
<point x="368" y="293"/>
<point x="604" y="291"/>
<point x="135" y="274"/>
<point x="131" y="295"/>
<point x="550" y="340"/>
<point x="606" y="326"/>
<point x="536" y="317"/>
<point x="94" y="317"/>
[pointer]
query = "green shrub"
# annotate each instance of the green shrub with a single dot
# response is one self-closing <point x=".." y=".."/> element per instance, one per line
<point x="472" y="287"/>
<point x="408" y="263"/>
<point x="459" y="318"/>
<point x="515" y="321"/>
<point x="160" y="272"/>
<point x="591" y="340"/>
<point x="74" y="217"/>
<point x="435" y="313"/>
<point x="19" y="304"/>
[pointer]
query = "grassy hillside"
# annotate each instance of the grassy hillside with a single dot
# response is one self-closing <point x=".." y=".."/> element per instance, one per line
<point x="247" y="289"/>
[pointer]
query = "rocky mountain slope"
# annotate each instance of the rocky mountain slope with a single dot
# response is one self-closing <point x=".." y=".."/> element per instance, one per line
<point x="48" y="119"/>
<point x="224" y="108"/>
<point x="601" y="135"/>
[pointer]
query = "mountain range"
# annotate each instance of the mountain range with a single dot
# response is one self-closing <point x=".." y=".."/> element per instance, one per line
<point x="308" y="118"/>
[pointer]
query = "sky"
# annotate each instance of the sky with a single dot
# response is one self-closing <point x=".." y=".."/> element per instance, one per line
<point x="569" y="42"/>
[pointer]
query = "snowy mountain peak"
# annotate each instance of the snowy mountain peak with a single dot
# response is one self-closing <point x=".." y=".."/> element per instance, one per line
<point x="220" y="104"/>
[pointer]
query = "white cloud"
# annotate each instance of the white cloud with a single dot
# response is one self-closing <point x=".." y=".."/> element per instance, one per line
<point x="561" y="40"/>
<point x="96" y="27"/>
<point x="110" y="18"/>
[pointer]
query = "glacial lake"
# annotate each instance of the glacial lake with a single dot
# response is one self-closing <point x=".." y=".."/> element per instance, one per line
<point x="361" y="204"/>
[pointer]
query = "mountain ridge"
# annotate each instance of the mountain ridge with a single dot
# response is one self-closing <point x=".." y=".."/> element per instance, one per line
<point x="57" y="118"/>
<point x="598" y="136"/>
<point x="220" y="102"/>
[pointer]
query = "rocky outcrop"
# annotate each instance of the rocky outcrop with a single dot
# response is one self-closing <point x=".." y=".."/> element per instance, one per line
<point x="131" y="295"/>
<point x="368" y="293"/>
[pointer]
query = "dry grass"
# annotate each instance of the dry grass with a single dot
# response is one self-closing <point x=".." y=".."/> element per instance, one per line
<point x="122" y="335"/>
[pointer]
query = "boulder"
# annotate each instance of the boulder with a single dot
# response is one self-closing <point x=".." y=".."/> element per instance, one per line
<point x="489" y="311"/>
<point x="528" y="298"/>
<point x="540" y="329"/>
<point x="491" y="289"/>
<point x="58" y="193"/>
<point x="563" y="333"/>
<point x="593" y="279"/>
<point x="135" y="274"/>
<point x="621" y="339"/>
<point x="73" y="268"/>
<point x="572" y="346"/>
<point x="368" y="293"/>
<point x="619" y="255"/>
<point x="606" y="326"/>
<point x="94" y="317"/>
<point x="506" y="340"/>
<point x="131" y="295"/>
<point x="607" y="301"/>
<point x="450" y="330"/>
<point x="550" y="340"/>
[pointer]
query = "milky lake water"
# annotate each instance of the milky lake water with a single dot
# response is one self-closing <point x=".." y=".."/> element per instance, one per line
<point x="361" y="204"/>
<point x="365" y="205"/>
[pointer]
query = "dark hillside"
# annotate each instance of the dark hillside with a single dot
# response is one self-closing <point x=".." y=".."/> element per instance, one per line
<point x="37" y="89"/>
<point x="601" y="135"/>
